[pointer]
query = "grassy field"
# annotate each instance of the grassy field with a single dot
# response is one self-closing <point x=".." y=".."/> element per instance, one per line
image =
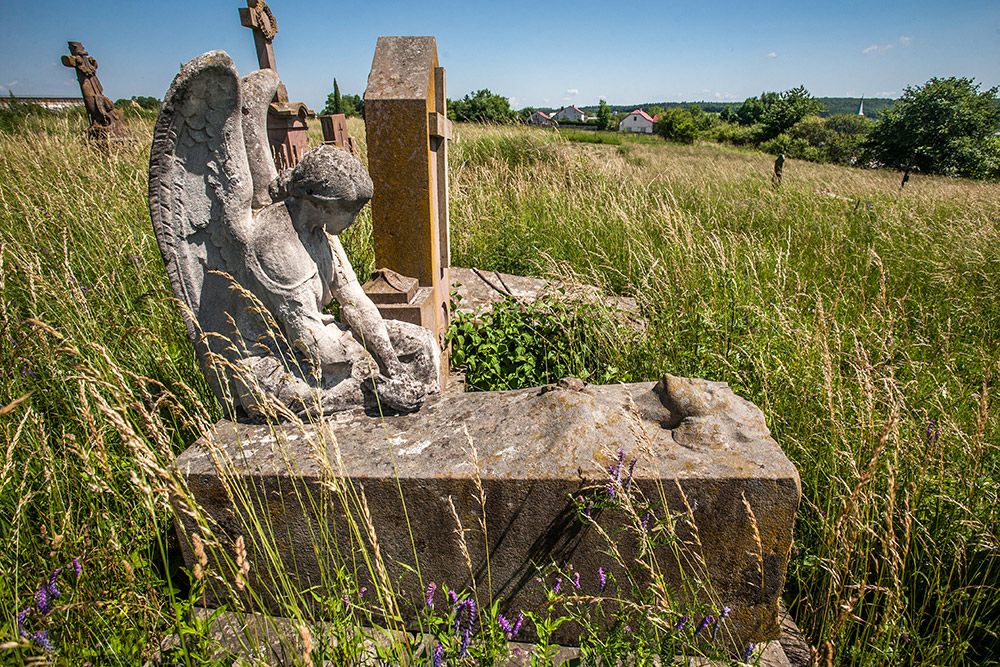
<point x="862" y="319"/>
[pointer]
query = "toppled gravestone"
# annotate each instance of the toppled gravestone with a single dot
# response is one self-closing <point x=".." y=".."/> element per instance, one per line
<point x="700" y="449"/>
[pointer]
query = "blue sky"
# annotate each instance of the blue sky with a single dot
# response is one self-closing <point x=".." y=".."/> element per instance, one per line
<point x="537" y="53"/>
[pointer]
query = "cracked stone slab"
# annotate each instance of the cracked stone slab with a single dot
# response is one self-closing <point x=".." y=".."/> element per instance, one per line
<point x="700" y="451"/>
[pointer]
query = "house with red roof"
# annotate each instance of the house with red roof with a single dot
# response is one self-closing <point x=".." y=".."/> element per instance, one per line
<point x="572" y="112"/>
<point x="539" y="118"/>
<point x="637" y="121"/>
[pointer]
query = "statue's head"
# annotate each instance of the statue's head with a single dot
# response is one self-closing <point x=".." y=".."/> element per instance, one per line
<point x="76" y="48"/>
<point x="329" y="179"/>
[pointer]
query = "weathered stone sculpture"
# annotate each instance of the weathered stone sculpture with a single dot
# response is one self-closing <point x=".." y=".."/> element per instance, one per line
<point x="105" y="121"/>
<point x="255" y="257"/>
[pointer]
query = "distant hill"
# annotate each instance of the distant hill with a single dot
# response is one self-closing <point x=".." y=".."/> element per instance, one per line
<point x="831" y="106"/>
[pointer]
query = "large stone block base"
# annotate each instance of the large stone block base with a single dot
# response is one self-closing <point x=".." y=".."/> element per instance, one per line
<point x="703" y="454"/>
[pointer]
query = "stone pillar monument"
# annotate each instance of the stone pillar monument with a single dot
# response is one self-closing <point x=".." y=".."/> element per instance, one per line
<point x="286" y="121"/>
<point x="407" y="128"/>
<point x="105" y="121"/>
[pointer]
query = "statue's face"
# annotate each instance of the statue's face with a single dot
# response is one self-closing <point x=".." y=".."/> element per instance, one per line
<point x="336" y="215"/>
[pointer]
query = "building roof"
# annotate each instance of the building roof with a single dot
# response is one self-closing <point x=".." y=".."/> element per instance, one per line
<point x="643" y="114"/>
<point x="542" y="114"/>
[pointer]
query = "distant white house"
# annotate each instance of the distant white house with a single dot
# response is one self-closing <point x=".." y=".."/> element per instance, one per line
<point x="570" y="113"/>
<point x="539" y="118"/>
<point x="637" y="121"/>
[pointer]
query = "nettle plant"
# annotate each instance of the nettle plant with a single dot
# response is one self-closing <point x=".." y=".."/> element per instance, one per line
<point x="516" y="345"/>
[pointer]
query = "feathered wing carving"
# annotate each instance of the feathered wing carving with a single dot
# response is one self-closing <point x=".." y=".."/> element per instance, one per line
<point x="200" y="190"/>
<point x="258" y="89"/>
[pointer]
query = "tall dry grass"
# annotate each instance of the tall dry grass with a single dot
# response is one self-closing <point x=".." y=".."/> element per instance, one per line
<point x="862" y="319"/>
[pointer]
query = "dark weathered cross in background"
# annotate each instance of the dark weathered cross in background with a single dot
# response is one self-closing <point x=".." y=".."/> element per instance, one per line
<point x="286" y="121"/>
<point x="105" y="121"/>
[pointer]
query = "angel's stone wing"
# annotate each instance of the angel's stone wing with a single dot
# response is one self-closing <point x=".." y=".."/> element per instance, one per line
<point x="200" y="192"/>
<point x="258" y="90"/>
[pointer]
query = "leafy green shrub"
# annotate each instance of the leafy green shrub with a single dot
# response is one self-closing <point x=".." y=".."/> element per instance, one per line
<point x="517" y="345"/>
<point x="733" y="133"/>
<point x="677" y="125"/>
<point x="946" y="127"/>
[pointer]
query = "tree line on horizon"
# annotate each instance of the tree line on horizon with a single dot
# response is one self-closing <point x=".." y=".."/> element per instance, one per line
<point x="947" y="126"/>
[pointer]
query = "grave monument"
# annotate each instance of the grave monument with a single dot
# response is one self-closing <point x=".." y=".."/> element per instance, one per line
<point x="286" y="121"/>
<point x="105" y="121"/>
<point x="335" y="132"/>
<point x="407" y="127"/>
<point x="255" y="258"/>
<point x="242" y="245"/>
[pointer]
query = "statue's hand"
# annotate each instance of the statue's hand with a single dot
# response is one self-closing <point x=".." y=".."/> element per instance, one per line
<point x="334" y="349"/>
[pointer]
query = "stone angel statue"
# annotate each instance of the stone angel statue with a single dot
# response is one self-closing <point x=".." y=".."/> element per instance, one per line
<point x="254" y="258"/>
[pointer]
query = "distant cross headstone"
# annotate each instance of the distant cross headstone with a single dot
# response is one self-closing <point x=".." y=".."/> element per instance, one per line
<point x="286" y="121"/>
<point x="105" y="121"/>
<point x="408" y="129"/>
<point x="779" y="165"/>
<point x="335" y="132"/>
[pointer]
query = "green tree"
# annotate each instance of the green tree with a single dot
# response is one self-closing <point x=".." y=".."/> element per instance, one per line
<point x="482" y="106"/>
<point x="677" y="125"/>
<point x="603" y="115"/>
<point x="786" y="109"/>
<point x="334" y="101"/>
<point x="945" y="126"/>
<point x="727" y="115"/>
<point x="349" y="105"/>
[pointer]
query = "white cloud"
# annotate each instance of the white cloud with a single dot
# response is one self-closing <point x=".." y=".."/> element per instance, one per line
<point x="887" y="93"/>
<point x="9" y="86"/>
<point x="877" y="48"/>
<point x="572" y="92"/>
<point x="905" y="41"/>
<point x="772" y="54"/>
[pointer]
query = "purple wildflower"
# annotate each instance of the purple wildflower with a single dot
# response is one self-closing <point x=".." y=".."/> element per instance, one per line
<point x="463" y="650"/>
<point x="722" y="616"/>
<point x="347" y="600"/>
<point x="42" y="639"/>
<point x="517" y="625"/>
<point x="453" y="598"/>
<point x="53" y="591"/>
<point x="42" y="600"/>
<point x="705" y="622"/>
<point x="438" y="655"/>
<point x="557" y="585"/>
<point x="504" y="625"/>
<point x="933" y="432"/>
<point x="631" y="468"/>
<point x="612" y="490"/>
<point x="681" y="622"/>
<point x="602" y="579"/>
<point x="429" y="597"/>
<point x="645" y="521"/>
<point x="26" y="371"/>
<point x="747" y="653"/>
<point x="77" y="567"/>
<point x="628" y="629"/>
<point x="576" y="581"/>
<point x="471" y="606"/>
<point x="361" y="593"/>
<point x="21" y="615"/>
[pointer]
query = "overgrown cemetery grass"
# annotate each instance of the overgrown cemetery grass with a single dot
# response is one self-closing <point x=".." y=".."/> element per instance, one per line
<point x="863" y="319"/>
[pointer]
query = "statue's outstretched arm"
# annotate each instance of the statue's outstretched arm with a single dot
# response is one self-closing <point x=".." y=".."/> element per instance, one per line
<point x="359" y="313"/>
<point x="306" y="330"/>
